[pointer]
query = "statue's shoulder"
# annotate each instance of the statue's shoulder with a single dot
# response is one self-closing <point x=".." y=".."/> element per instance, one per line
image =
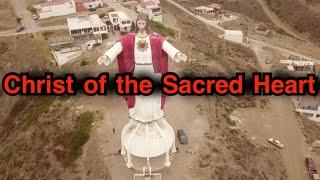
<point x="156" y="35"/>
<point x="131" y="34"/>
<point x="128" y="36"/>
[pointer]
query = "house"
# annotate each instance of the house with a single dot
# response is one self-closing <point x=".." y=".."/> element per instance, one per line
<point x="233" y="35"/>
<point x="307" y="102"/>
<point x="204" y="10"/>
<point x="307" y="106"/>
<point x="93" y="4"/>
<point x="151" y="9"/>
<point x="211" y="10"/>
<point x="56" y="8"/>
<point x="215" y="6"/>
<point x="299" y="65"/>
<point x="85" y="5"/>
<point x="88" y="25"/>
<point x="120" y="21"/>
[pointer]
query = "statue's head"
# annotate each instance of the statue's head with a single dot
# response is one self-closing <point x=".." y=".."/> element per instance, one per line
<point x="142" y="23"/>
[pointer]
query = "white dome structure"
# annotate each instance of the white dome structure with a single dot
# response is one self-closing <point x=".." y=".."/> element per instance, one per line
<point x="146" y="140"/>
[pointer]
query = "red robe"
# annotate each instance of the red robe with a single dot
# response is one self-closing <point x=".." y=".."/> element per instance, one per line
<point x="126" y="62"/>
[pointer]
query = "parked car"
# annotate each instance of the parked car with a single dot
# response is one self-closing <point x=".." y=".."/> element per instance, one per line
<point x="35" y="17"/>
<point x="182" y="137"/>
<point x="276" y="143"/>
<point x="92" y="9"/>
<point x="19" y="29"/>
<point x="311" y="166"/>
<point x="315" y="177"/>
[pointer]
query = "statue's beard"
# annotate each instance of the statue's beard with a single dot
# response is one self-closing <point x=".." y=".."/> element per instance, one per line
<point x="142" y="30"/>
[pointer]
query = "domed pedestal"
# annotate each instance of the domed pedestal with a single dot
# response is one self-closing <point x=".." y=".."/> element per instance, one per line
<point x="148" y="144"/>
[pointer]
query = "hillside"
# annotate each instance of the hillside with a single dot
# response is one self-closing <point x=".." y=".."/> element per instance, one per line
<point x="225" y="148"/>
<point x="8" y="18"/>
<point x="298" y="16"/>
<point x="249" y="8"/>
<point x="41" y="137"/>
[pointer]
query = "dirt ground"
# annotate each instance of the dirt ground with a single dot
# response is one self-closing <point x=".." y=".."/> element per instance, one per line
<point x="261" y="125"/>
<point x="8" y="19"/>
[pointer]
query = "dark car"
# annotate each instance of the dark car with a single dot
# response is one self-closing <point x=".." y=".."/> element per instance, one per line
<point x="92" y="9"/>
<point x="182" y="137"/>
<point x="311" y="166"/>
<point x="19" y="29"/>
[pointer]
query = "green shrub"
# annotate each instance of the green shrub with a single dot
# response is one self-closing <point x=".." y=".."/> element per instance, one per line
<point x="104" y="36"/>
<point x="133" y="27"/>
<point x="19" y="19"/>
<point x="101" y="15"/>
<point x="78" y="138"/>
<point x="84" y="63"/>
<point x="161" y="29"/>
<point x="32" y="9"/>
<point x="283" y="32"/>
<point x="43" y="106"/>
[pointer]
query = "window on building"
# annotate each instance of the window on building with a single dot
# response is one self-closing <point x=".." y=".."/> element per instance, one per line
<point x="156" y="10"/>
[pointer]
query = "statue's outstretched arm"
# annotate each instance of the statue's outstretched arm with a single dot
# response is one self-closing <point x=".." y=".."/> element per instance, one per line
<point x="111" y="54"/>
<point x="173" y="52"/>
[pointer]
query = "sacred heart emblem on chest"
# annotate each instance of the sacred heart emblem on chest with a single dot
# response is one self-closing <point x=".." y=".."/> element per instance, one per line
<point x="142" y="45"/>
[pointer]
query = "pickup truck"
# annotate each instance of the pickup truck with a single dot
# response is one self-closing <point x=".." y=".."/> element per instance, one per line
<point x="312" y="169"/>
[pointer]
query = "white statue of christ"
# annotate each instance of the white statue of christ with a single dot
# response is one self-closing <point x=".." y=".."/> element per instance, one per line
<point x="144" y="54"/>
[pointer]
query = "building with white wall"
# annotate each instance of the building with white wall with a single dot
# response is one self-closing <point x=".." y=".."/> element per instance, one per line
<point x="93" y="4"/>
<point x="56" y="8"/>
<point x="233" y="35"/>
<point x="87" y="25"/>
<point x="120" y="21"/>
<point x="151" y="9"/>
<point x="208" y="11"/>
<point x="307" y="106"/>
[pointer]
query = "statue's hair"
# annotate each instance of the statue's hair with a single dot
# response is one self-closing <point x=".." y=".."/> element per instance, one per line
<point x="142" y="16"/>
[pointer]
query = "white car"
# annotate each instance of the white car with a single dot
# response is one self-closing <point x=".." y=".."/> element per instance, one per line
<point x="276" y="142"/>
<point x="35" y="17"/>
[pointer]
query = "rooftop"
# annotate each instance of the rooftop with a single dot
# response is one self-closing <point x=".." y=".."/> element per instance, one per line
<point x="204" y="7"/>
<point x="215" y="6"/>
<point x="235" y="32"/>
<point x="122" y="15"/>
<point x="54" y="3"/>
<point x="84" y="22"/>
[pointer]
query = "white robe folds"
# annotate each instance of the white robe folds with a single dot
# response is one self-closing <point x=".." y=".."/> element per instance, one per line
<point x="147" y="108"/>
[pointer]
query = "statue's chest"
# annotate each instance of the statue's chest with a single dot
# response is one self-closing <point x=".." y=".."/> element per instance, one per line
<point x="142" y="44"/>
<point x="143" y="50"/>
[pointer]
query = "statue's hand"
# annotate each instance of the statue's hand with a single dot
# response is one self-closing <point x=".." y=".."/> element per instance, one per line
<point x="181" y="57"/>
<point x="104" y="60"/>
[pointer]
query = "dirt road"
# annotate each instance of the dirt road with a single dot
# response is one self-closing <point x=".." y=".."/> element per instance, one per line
<point x="30" y="25"/>
<point x="118" y="7"/>
<point x="283" y="125"/>
<point x="274" y="18"/>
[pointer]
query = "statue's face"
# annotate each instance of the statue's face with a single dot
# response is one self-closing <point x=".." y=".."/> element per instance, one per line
<point x="141" y="25"/>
